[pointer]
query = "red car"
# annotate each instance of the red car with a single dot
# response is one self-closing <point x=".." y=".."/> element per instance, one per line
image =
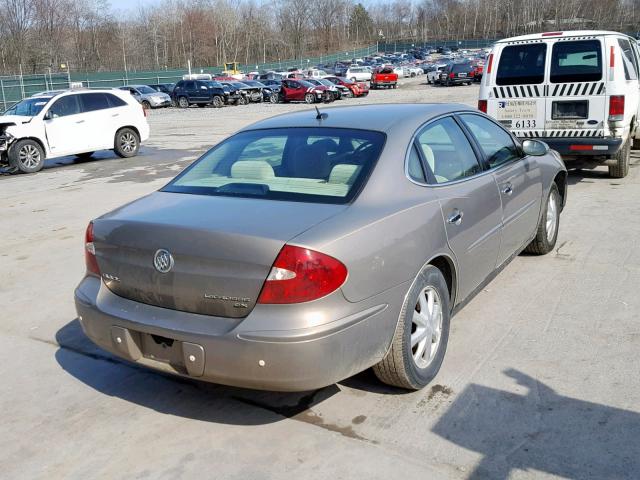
<point x="301" y="91"/>
<point x="358" y="89"/>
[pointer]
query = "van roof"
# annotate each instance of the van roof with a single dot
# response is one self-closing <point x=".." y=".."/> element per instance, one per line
<point x="560" y="34"/>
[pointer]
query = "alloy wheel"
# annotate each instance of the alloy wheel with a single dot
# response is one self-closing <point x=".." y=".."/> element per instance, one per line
<point x="128" y="142"/>
<point x="29" y="156"/>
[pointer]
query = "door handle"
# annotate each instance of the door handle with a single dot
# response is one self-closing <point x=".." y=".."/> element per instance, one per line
<point x="115" y="115"/>
<point x="507" y="189"/>
<point x="456" y="217"/>
<point x="80" y="121"/>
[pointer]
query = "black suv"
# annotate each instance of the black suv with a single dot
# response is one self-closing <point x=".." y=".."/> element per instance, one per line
<point x="457" y="73"/>
<point x="201" y="93"/>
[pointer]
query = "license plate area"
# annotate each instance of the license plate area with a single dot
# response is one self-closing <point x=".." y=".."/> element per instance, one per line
<point x="574" y="110"/>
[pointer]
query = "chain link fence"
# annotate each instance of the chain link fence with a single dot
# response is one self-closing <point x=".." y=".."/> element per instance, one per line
<point x="15" y="88"/>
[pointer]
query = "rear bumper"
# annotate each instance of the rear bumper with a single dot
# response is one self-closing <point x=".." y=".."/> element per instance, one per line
<point x="221" y="350"/>
<point x="583" y="147"/>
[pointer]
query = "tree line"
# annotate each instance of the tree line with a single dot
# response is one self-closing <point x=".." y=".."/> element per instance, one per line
<point x="38" y="36"/>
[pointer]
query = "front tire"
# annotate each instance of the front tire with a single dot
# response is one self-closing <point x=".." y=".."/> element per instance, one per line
<point x="622" y="159"/>
<point x="218" y="102"/>
<point x="183" y="102"/>
<point x="309" y="98"/>
<point x="420" y="339"/>
<point x="274" y="98"/>
<point x="127" y="143"/>
<point x="547" y="232"/>
<point x="26" y="156"/>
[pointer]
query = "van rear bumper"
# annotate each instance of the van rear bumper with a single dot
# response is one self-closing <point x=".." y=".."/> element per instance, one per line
<point x="584" y="147"/>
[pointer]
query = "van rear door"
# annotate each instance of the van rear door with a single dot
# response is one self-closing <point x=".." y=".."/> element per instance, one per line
<point x="576" y="100"/>
<point x="517" y="95"/>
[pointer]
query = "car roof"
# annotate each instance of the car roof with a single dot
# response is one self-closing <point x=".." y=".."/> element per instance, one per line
<point x="561" y="34"/>
<point x="380" y="117"/>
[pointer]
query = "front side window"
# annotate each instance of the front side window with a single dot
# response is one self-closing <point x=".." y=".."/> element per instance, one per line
<point x="65" y="106"/>
<point x="321" y="165"/>
<point x="522" y="64"/>
<point x="447" y="151"/>
<point x="576" y="61"/>
<point x="496" y="144"/>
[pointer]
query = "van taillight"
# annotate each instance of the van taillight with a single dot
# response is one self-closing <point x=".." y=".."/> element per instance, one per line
<point x="90" y="252"/>
<point x="616" y="108"/>
<point x="301" y="275"/>
<point x="482" y="106"/>
<point x="490" y="63"/>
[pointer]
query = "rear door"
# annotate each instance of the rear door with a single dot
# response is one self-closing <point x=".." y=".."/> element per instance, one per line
<point x="517" y="90"/>
<point x="576" y="100"/>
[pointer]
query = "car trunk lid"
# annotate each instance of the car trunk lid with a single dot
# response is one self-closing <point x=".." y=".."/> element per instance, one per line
<point x="222" y="248"/>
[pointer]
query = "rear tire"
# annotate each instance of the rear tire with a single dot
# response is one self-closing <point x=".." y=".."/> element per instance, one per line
<point x="26" y="156"/>
<point x="274" y="98"/>
<point x="423" y="326"/>
<point x="126" y="143"/>
<point x="548" y="227"/>
<point x="621" y="168"/>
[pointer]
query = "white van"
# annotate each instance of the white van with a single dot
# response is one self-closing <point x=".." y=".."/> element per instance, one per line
<point x="577" y="91"/>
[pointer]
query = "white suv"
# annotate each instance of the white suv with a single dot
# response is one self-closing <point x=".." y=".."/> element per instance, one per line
<point x="73" y="122"/>
<point x="358" y="74"/>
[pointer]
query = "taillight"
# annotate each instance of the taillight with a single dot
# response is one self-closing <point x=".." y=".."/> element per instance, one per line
<point x="90" y="252"/>
<point x="616" y="108"/>
<point x="144" y="111"/>
<point x="301" y="275"/>
<point x="490" y="63"/>
<point x="452" y="75"/>
<point x="482" y="106"/>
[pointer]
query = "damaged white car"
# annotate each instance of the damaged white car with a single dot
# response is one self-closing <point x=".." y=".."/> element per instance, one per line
<point x="73" y="122"/>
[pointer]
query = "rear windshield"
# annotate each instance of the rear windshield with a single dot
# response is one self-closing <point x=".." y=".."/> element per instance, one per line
<point x="322" y="165"/>
<point x="576" y="61"/>
<point x="522" y="64"/>
<point x="461" y="67"/>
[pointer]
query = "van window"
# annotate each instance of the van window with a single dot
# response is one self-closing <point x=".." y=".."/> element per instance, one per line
<point x="522" y="64"/>
<point x="628" y="60"/>
<point x="576" y="61"/>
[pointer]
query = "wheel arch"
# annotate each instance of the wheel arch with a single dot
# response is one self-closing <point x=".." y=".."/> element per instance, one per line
<point x="35" y="139"/>
<point x="132" y="127"/>
<point x="447" y="267"/>
<point x="561" y="182"/>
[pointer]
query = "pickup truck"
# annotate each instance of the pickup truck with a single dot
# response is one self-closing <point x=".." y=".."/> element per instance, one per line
<point x="384" y="77"/>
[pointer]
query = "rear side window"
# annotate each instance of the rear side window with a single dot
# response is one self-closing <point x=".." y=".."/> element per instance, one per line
<point x="321" y="165"/>
<point x="628" y="60"/>
<point x="576" y="61"/>
<point x="496" y="144"/>
<point x="447" y="151"/>
<point x="522" y="64"/>
<point x="94" y="101"/>
<point x="115" y="101"/>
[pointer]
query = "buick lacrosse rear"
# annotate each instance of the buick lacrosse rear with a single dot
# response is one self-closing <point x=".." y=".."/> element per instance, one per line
<point x="309" y="247"/>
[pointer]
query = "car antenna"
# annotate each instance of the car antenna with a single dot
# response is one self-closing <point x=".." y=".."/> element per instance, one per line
<point x="320" y="116"/>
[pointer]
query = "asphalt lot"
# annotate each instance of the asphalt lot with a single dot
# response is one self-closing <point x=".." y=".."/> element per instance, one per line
<point x="540" y="378"/>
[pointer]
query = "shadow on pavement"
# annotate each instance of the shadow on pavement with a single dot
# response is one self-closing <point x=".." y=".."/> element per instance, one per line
<point x="180" y="396"/>
<point x="543" y="431"/>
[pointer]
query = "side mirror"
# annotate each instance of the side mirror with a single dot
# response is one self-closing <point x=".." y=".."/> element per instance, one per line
<point x="48" y="115"/>
<point x="536" y="148"/>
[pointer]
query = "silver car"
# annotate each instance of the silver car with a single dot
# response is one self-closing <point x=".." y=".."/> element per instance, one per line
<point x="313" y="245"/>
<point x="148" y="97"/>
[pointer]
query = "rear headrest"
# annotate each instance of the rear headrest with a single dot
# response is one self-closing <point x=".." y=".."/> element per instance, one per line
<point x="252" y="170"/>
<point x="344" y="173"/>
<point x="311" y="161"/>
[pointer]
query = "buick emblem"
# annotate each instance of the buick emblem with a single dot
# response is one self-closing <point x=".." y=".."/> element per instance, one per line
<point x="163" y="261"/>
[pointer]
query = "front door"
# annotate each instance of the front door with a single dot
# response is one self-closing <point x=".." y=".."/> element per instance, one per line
<point x="66" y="127"/>
<point x="518" y="181"/>
<point x="469" y="200"/>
